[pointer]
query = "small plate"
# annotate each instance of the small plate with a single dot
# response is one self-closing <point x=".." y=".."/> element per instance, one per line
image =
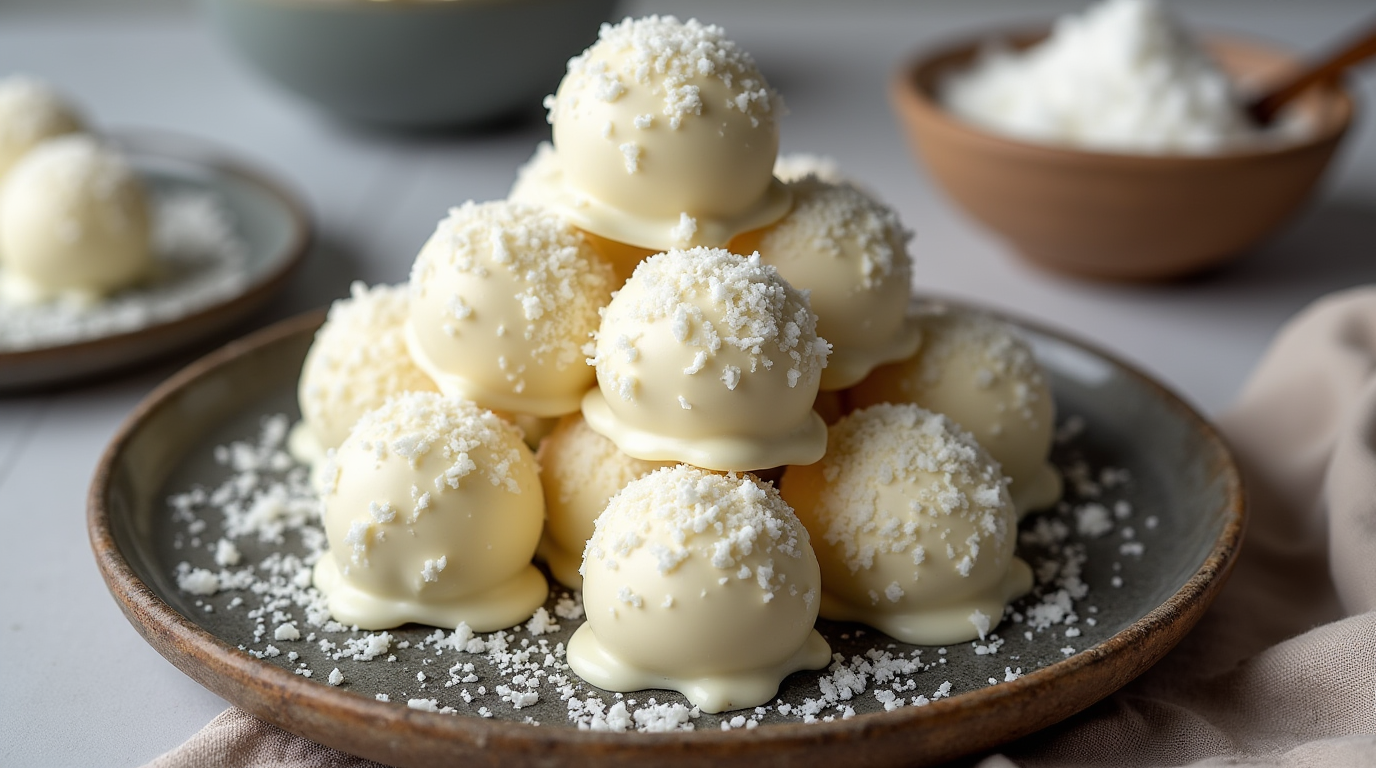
<point x="269" y="223"/>
<point x="1178" y="488"/>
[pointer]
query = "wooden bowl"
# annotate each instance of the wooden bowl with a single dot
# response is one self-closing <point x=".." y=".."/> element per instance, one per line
<point x="1121" y="216"/>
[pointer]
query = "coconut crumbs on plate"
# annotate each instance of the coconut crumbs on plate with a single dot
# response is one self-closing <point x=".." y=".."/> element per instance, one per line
<point x="263" y="508"/>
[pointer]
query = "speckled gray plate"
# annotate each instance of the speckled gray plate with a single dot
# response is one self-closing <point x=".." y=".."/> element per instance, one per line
<point x="1183" y="504"/>
<point x="270" y="221"/>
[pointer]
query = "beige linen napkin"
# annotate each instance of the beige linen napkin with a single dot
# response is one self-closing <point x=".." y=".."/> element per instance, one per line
<point x="1280" y="672"/>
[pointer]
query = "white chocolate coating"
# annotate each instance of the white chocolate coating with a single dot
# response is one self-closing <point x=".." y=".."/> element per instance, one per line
<point x="30" y="113"/>
<point x="665" y="135"/>
<point x="433" y="509"/>
<point x="73" y="222"/>
<point x="711" y="359"/>
<point x="701" y="583"/>
<point x="357" y="361"/>
<point x="912" y="524"/>
<point x="976" y="370"/>
<point x="850" y="252"/>
<point x="536" y="181"/>
<point x="503" y="298"/>
<point x="580" y="471"/>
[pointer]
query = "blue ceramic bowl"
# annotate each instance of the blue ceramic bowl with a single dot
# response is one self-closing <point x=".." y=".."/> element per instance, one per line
<point x="412" y="63"/>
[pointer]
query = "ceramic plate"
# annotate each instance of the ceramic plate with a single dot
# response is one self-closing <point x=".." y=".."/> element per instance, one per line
<point x="269" y="233"/>
<point x="1148" y="532"/>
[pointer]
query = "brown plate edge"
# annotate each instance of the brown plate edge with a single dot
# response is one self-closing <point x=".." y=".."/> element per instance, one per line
<point x="942" y="729"/>
<point x="172" y="335"/>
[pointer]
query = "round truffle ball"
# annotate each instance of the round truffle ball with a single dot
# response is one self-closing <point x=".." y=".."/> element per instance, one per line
<point x="913" y="526"/>
<point x="357" y="361"/>
<point x="665" y="134"/>
<point x="73" y="221"/>
<point x="433" y="509"/>
<point x="977" y="370"/>
<point x="711" y="359"/>
<point x="580" y="471"/>
<point x="503" y="298"/>
<point x="701" y="583"/>
<point x="30" y="113"/>
<point x="850" y="252"/>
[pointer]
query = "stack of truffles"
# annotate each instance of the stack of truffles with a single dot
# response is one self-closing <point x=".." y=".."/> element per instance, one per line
<point x="669" y="321"/>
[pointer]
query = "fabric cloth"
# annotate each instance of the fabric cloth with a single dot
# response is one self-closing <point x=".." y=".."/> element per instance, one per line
<point x="1282" y="669"/>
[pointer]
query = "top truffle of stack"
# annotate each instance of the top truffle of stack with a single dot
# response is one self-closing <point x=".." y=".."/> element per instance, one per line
<point x="666" y="134"/>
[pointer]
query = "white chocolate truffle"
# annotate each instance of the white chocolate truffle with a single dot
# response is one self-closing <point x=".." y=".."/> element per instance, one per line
<point x="73" y="222"/>
<point x="665" y="135"/>
<point x="711" y="359"/>
<point x="356" y="363"/>
<point x="503" y="298"/>
<point x="30" y="113"/>
<point x="912" y="525"/>
<point x="432" y="508"/>
<point x="701" y="583"/>
<point x="978" y="371"/>
<point x="580" y="471"/>
<point x="850" y="252"/>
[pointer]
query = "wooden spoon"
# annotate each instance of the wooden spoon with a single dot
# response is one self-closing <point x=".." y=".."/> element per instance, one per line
<point x="1264" y="108"/>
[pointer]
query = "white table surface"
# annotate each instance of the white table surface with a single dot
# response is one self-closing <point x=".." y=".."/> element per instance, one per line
<point x="79" y="687"/>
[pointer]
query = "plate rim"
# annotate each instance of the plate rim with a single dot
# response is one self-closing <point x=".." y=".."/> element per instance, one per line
<point x="205" y="155"/>
<point x="309" y="708"/>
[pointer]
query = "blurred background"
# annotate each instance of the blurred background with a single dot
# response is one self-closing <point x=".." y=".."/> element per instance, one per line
<point x="377" y="194"/>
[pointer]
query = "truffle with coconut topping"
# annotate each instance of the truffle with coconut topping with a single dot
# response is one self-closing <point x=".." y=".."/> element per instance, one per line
<point x="433" y="508"/>
<point x="73" y="223"/>
<point x="659" y="122"/>
<point x="702" y="583"/>
<point x="357" y="361"/>
<point x="503" y="298"/>
<point x="913" y="526"/>
<point x="850" y="252"/>
<point x="580" y="471"/>
<point x="711" y="359"/>
<point x="979" y="372"/>
<point x="30" y="113"/>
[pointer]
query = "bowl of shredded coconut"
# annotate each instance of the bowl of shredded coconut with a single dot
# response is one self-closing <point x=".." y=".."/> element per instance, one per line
<point x="1116" y="145"/>
<point x="411" y="63"/>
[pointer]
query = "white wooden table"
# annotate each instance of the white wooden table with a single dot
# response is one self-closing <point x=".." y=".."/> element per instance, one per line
<point x="79" y="687"/>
